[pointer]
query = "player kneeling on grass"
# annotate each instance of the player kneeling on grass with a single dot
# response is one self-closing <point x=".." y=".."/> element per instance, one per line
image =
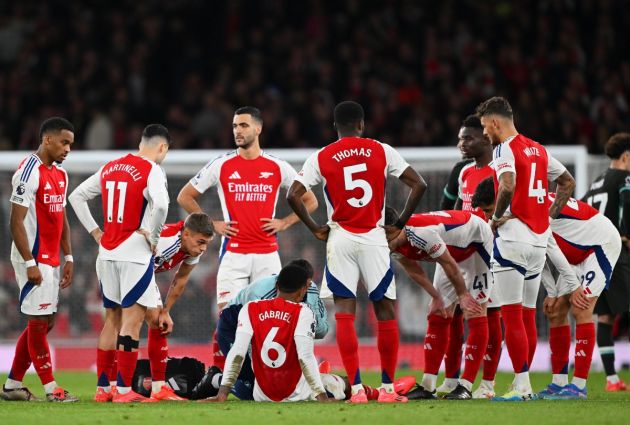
<point x="455" y="240"/>
<point x="591" y="245"/>
<point x="281" y="332"/>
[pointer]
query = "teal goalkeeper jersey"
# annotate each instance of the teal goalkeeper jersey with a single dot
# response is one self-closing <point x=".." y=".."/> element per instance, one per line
<point x="265" y="288"/>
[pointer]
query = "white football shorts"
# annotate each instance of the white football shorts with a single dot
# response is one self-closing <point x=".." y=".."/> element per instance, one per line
<point x="236" y="271"/>
<point x="347" y="261"/>
<point x="38" y="300"/>
<point x="124" y="283"/>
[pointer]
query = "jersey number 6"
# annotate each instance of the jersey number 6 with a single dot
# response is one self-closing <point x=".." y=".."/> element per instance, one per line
<point x="268" y="345"/>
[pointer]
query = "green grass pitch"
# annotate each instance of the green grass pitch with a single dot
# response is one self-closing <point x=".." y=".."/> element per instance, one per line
<point x="600" y="408"/>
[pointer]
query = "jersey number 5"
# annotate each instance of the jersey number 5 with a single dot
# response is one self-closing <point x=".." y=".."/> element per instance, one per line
<point x="111" y="187"/>
<point x="268" y="345"/>
<point x="351" y="184"/>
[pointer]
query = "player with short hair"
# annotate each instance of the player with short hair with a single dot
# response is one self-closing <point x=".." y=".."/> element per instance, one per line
<point x="39" y="227"/>
<point x="281" y="332"/>
<point x="181" y="244"/>
<point x="134" y="197"/>
<point x="248" y="181"/>
<point x="354" y="171"/>
<point x="460" y="242"/>
<point x="521" y="226"/>
<point x="474" y="145"/>
<point x="610" y="194"/>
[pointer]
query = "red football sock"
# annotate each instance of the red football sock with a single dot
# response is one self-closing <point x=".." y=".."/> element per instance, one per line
<point x="515" y="336"/>
<point x="157" y="348"/>
<point x="387" y="341"/>
<point x="126" y="366"/>
<point x="39" y="351"/>
<point x="493" y="349"/>
<point x="112" y="375"/>
<point x="584" y="345"/>
<point x="475" y="347"/>
<point x="371" y="392"/>
<point x="348" y="346"/>
<point x="453" y="356"/>
<point x="218" y="357"/>
<point x="560" y="344"/>
<point x="22" y="359"/>
<point x="435" y="342"/>
<point x="105" y="360"/>
<point x="529" y="320"/>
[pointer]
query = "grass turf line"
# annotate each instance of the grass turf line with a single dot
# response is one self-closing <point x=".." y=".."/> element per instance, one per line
<point x="601" y="407"/>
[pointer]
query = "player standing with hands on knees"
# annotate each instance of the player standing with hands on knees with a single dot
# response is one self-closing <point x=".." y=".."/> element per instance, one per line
<point x="520" y="223"/>
<point x="134" y="196"/>
<point x="353" y="171"/>
<point x="39" y="227"/>
<point x="248" y="181"/>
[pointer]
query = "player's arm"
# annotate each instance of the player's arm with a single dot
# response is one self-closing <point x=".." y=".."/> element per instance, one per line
<point x="236" y="355"/>
<point x="449" y="194"/>
<point x="89" y="189"/>
<point x="565" y="185"/>
<point x="319" y="310"/>
<point x="180" y="280"/>
<point x="304" y="333"/>
<point x="417" y="274"/>
<point x="68" y="267"/>
<point x="294" y="198"/>
<point x="18" y="233"/>
<point x="466" y="301"/>
<point x="416" y="183"/>
<point x="624" y="215"/>
<point x="158" y="193"/>
<point x="187" y="199"/>
<point x="273" y="226"/>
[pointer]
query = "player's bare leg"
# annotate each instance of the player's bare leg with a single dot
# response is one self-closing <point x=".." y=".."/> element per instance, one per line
<point x="106" y="354"/>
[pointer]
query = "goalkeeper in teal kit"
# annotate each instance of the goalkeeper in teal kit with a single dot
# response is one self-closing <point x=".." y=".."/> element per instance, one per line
<point x="262" y="289"/>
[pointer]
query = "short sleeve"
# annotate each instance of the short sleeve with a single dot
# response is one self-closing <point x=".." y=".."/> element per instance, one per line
<point x="426" y="239"/>
<point x="288" y="174"/>
<point x="396" y="165"/>
<point x="208" y="176"/>
<point x="310" y="175"/>
<point x="244" y="324"/>
<point x="25" y="183"/>
<point x="306" y="323"/>
<point x="503" y="160"/>
<point x="554" y="168"/>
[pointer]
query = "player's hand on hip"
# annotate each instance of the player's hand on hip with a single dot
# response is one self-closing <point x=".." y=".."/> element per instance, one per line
<point x="436" y="306"/>
<point x="322" y="232"/>
<point x="273" y="225"/>
<point x="165" y="322"/>
<point x="97" y="234"/>
<point x="68" y="272"/>
<point x="391" y="232"/>
<point x="579" y="299"/>
<point x="469" y="304"/>
<point x="34" y="275"/>
<point x="495" y="224"/>
<point x="225" y="228"/>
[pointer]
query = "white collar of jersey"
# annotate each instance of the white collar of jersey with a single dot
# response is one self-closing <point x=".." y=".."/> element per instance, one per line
<point x="509" y="139"/>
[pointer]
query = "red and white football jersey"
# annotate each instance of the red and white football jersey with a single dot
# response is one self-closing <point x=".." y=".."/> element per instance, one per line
<point x="533" y="167"/>
<point x="469" y="178"/>
<point x="429" y="235"/>
<point x="273" y="325"/>
<point x="169" y="249"/>
<point x="43" y="191"/>
<point x="248" y="191"/>
<point x="354" y="171"/>
<point x="578" y="228"/>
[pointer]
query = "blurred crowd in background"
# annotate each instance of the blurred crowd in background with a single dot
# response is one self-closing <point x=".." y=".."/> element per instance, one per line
<point x="418" y="67"/>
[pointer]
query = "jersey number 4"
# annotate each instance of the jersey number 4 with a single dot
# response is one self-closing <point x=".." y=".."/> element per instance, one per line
<point x="268" y="345"/>
<point x="539" y="191"/>
<point x="111" y="188"/>
<point x="351" y="184"/>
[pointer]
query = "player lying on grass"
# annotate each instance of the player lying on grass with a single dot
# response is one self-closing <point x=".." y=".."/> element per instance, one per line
<point x="585" y="245"/>
<point x="228" y="320"/>
<point x="459" y="242"/>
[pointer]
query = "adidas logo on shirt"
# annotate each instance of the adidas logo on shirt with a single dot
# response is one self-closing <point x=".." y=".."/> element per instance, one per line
<point x="48" y="186"/>
<point x="234" y="175"/>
